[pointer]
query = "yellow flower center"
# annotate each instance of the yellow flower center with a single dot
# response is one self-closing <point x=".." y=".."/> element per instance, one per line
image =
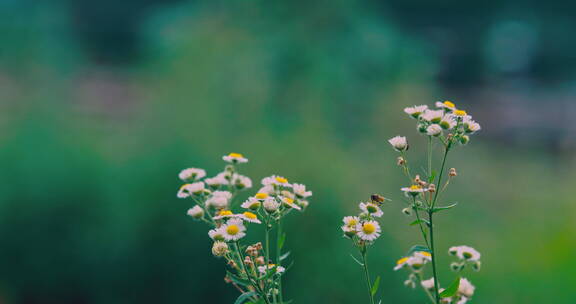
<point x="401" y="261"/>
<point x="368" y="228"/>
<point x="225" y="212"/>
<point x="426" y="254"/>
<point x="232" y="229"/>
<point x="449" y="104"/>
<point x="236" y="155"/>
<point x="352" y="222"/>
<point x="250" y="215"/>
<point x="415" y="187"/>
<point x="460" y="113"/>
<point x="288" y="200"/>
<point x="281" y="180"/>
<point x="261" y="195"/>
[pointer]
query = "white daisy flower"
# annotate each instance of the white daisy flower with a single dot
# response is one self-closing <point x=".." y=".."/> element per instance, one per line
<point x="233" y="230"/>
<point x="434" y="130"/>
<point x="263" y="269"/>
<point x="399" y="143"/>
<point x="217" y="181"/>
<point x="447" y="105"/>
<point x="288" y="202"/>
<point x="267" y="189"/>
<point x="470" y="126"/>
<point x="235" y="158"/>
<point x="371" y="209"/>
<point x="216" y="234"/>
<point x="447" y="122"/>
<point x="250" y="217"/>
<point x="401" y="263"/>
<point x="192" y="174"/>
<point x="416" y="261"/>
<point x="460" y="114"/>
<point x="351" y="221"/>
<point x="414" y="189"/>
<point x="241" y="181"/>
<point x="223" y="214"/>
<point x="287" y="193"/>
<point x="433" y="116"/>
<point x="428" y="284"/>
<point x="196" y="212"/>
<point x="251" y="203"/>
<point x="465" y="253"/>
<point x="276" y="181"/>
<point x="300" y="191"/>
<point x="219" y="199"/>
<point x="415" y="111"/>
<point x="188" y="189"/>
<point x="466" y="288"/>
<point x="424" y="255"/>
<point x="368" y="231"/>
<point x="270" y="205"/>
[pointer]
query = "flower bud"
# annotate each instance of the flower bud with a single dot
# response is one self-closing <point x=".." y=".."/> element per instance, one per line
<point x="219" y="249"/>
<point x="400" y="161"/>
<point x="464" y="139"/>
<point x="407" y="211"/>
<point x="399" y="143"/>
<point x="196" y="212"/>
<point x="248" y="261"/>
<point x="452" y="172"/>
<point x="260" y="260"/>
<point x="432" y="188"/>
<point x="232" y="264"/>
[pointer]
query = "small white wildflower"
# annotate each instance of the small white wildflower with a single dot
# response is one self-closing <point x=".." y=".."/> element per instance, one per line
<point x="288" y="202"/>
<point x="351" y="221"/>
<point x="415" y="111"/>
<point x="252" y="204"/>
<point x="447" y="105"/>
<point x="196" y="212"/>
<point x="447" y="122"/>
<point x="465" y="253"/>
<point x="371" y="209"/>
<point x="300" y="191"/>
<point x="428" y="284"/>
<point x="216" y="234"/>
<point x="219" y="199"/>
<point x="241" y="181"/>
<point x="399" y="143"/>
<point x="466" y="288"/>
<point x="433" y="116"/>
<point x="269" y="189"/>
<point x="368" y="231"/>
<point x="270" y="205"/>
<point x="224" y="214"/>
<point x="235" y="158"/>
<point x="219" y="249"/>
<point x="250" y="217"/>
<point x="276" y="181"/>
<point x="414" y="189"/>
<point x="217" y="181"/>
<point x="192" y="174"/>
<point x="233" y="230"/>
<point x="263" y="269"/>
<point x="434" y="130"/>
<point x="188" y="189"/>
<point x="470" y="126"/>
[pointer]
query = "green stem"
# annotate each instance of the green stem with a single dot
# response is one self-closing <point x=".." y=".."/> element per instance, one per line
<point x="278" y="262"/>
<point x="254" y="281"/>
<point x="367" y="274"/>
<point x="429" y="158"/>
<point x="419" y="221"/>
<point x="436" y="290"/>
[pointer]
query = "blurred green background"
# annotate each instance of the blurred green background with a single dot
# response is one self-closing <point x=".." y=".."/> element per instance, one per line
<point x="103" y="102"/>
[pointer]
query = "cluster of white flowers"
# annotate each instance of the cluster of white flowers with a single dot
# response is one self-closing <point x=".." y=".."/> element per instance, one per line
<point x="214" y="204"/>
<point x="447" y="118"/>
<point x="364" y="228"/>
<point x="466" y="256"/>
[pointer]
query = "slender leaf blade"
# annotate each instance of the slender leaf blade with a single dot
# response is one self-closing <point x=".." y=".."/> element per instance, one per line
<point x="375" y="286"/>
<point x="284" y="256"/>
<point x="243" y="297"/>
<point x="452" y="289"/>
<point x="440" y="208"/>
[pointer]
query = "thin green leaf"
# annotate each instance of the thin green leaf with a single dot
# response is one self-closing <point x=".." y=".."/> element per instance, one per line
<point x="284" y="256"/>
<point x="417" y="248"/>
<point x="243" y="297"/>
<point x="452" y="289"/>
<point x="236" y="279"/>
<point x="281" y="240"/>
<point x="432" y="177"/>
<point x="375" y="286"/>
<point x="440" y="208"/>
<point x="359" y="263"/>
<point x="420" y="221"/>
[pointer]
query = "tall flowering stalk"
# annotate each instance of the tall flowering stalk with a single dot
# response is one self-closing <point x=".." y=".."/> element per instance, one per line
<point x="446" y="127"/>
<point x="255" y="270"/>
<point x="363" y="229"/>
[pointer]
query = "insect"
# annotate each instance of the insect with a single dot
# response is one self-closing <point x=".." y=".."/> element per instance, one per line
<point x="378" y="199"/>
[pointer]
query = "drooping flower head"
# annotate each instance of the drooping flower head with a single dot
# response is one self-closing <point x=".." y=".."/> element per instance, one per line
<point x="196" y="212"/>
<point x="190" y="189"/>
<point x="399" y="143"/>
<point x="415" y="111"/>
<point x="192" y="174"/>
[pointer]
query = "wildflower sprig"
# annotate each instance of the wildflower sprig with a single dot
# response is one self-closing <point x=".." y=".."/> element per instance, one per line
<point x="448" y="127"/>
<point x="363" y="230"/>
<point x="253" y="269"/>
